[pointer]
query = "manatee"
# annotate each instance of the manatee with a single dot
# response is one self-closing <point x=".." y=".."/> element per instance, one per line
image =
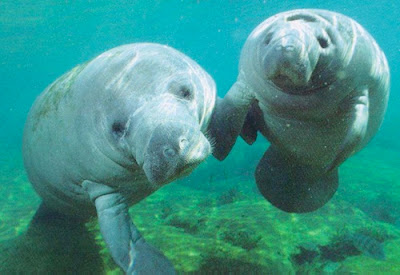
<point x="315" y="84"/>
<point x="112" y="131"/>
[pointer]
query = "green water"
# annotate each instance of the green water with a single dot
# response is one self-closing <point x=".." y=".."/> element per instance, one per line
<point x="213" y="221"/>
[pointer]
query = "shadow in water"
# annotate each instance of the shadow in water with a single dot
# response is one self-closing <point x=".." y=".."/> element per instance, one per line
<point x="53" y="244"/>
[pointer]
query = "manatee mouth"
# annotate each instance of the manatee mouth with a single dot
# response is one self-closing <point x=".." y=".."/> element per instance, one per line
<point x="184" y="170"/>
<point x="159" y="178"/>
<point x="187" y="169"/>
<point x="193" y="159"/>
<point x="292" y="80"/>
<point x="181" y="172"/>
<point x="284" y="83"/>
<point x="300" y="78"/>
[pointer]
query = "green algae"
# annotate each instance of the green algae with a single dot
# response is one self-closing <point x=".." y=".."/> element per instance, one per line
<point x="58" y="91"/>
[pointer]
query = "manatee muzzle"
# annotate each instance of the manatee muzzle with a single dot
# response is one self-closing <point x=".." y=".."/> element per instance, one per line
<point x="290" y="59"/>
<point x="174" y="150"/>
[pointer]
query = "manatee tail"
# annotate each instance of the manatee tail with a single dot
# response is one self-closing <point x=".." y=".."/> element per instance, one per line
<point x="53" y="244"/>
<point x="294" y="187"/>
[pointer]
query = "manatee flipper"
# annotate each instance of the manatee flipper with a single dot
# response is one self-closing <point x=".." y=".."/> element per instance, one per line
<point x="128" y="248"/>
<point x="357" y="112"/>
<point x="291" y="186"/>
<point x="252" y="124"/>
<point x="228" y="118"/>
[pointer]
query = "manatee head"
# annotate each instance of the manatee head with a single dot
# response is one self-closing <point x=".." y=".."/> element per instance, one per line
<point x="166" y="138"/>
<point x="157" y="110"/>
<point x="297" y="53"/>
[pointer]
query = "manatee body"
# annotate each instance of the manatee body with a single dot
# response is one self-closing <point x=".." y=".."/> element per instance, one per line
<point x="111" y="132"/>
<point x="316" y="85"/>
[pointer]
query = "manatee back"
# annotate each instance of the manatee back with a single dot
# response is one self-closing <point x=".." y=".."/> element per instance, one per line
<point x="49" y="142"/>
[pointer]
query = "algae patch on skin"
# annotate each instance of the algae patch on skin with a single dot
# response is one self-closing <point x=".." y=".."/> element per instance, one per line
<point x="56" y="92"/>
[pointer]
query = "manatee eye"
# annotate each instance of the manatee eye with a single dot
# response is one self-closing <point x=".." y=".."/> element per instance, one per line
<point x="323" y="42"/>
<point x="185" y="93"/>
<point x="118" y="129"/>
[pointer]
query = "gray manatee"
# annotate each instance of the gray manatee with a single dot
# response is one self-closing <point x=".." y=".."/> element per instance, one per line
<point x="112" y="131"/>
<point x="316" y="85"/>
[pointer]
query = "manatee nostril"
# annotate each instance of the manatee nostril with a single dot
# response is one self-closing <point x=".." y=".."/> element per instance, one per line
<point x="183" y="142"/>
<point x="169" y="152"/>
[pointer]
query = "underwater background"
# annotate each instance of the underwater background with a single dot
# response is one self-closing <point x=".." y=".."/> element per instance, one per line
<point x="213" y="221"/>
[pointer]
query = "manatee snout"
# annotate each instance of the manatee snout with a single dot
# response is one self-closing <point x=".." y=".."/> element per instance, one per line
<point x="186" y="143"/>
<point x="290" y="57"/>
<point x="174" y="149"/>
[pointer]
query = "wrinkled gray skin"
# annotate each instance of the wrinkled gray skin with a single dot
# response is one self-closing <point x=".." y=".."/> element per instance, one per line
<point x="111" y="132"/>
<point x="316" y="85"/>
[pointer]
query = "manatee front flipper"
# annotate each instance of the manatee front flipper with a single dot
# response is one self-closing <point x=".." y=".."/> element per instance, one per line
<point x="252" y="124"/>
<point x="356" y="109"/>
<point x="291" y="186"/>
<point x="128" y="248"/>
<point x="228" y="118"/>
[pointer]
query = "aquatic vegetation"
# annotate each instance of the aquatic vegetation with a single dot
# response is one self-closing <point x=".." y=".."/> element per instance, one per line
<point x="311" y="261"/>
<point x="368" y="246"/>
<point x="188" y="224"/>
<point x="338" y="251"/>
<point x="230" y="196"/>
<point x="242" y="238"/>
<point x="166" y="210"/>
<point x="397" y="223"/>
<point x="331" y="267"/>
<point x="304" y="256"/>
<point x="206" y="203"/>
<point x="367" y="241"/>
<point x="220" y="265"/>
<point x="226" y="260"/>
<point x="345" y="243"/>
<point x="384" y="207"/>
<point x="380" y="234"/>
